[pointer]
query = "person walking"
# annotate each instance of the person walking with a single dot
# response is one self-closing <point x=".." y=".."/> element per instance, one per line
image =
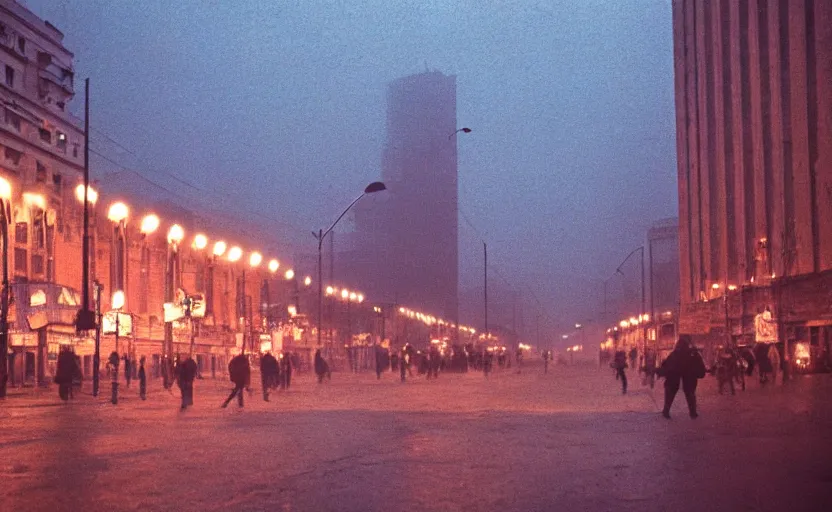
<point x="286" y="369"/>
<point x="65" y="373"/>
<point x="684" y="365"/>
<point x="239" y="373"/>
<point x="185" y="375"/>
<point x="404" y="363"/>
<point x="619" y="364"/>
<point x="321" y="367"/>
<point x="142" y="380"/>
<point x="268" y="373"/>
<point x="128" y="370"/>
<point x="381" y="360"/>
<point x="633" y="358"/>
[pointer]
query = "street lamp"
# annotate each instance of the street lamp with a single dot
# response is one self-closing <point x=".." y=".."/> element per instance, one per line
<point x="289" y="275"/>
<point x="373" y="187"/>
<point x="175" y="236"/>
<point x="150" y="223"/>
<point x="643" y="296"/>
<point x="463" y="130"/>
<point x="5" y="218"/>
<point x="273" y="266"/>
<point x="200" y="242"/>
<point x="116" y="304"/>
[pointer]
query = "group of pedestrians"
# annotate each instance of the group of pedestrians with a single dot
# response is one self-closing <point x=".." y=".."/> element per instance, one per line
<point x="275" y="373"/>
<point x="682" y="368"/>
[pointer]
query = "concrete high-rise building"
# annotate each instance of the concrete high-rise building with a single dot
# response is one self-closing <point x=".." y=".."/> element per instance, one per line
<point x="753" y="81"/>
<point x="407" y="237"/>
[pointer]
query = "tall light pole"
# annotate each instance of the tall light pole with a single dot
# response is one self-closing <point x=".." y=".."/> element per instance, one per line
<point x="5" y="216"/>
<point x="175" y="236"/>
<point x="234" y="255"/>
<point x="87" y="319"/>
<point x="375" y="186"/>
<point x="643" y="296"/>
<point x="485" y="286"/>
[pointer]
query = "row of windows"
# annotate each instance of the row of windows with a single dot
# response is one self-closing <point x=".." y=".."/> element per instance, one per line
<point x="14" y="122"/>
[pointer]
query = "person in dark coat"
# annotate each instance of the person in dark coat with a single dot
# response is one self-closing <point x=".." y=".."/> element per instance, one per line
<point x="65" y="373"/>
<point x="381" y="361"/>
<point x="286" y="369"/>
<point x="128" y="375"/>
<point x="619" y="364"/>
<point x="268" y="373"/>
<point x="435" y="361"/>
<point x="404" y="363"/>
<point x="633" y="357"/>
<point x="240" y="374"/>
<point x="185" y="376"/>
<point x="684" y="365"/>
<point x="142" y="380"/>
<point x="321" y="367"/>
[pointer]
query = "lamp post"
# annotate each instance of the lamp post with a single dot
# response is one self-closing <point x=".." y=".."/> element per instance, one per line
<point x="643" y="296"/>
<point x="199" y="244"/>
<point x="5" y="216"/>
<point x="234" y="255"/>
<point x="86" y="319"/>
<point x="254" y="260"/>
<point x="117" y="304"/>
<point x="373" y="187"/>
<point x="175" y="236"/>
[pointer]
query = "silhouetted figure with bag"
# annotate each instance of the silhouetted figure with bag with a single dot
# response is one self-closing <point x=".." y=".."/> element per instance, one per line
<point x="683" y="366"/>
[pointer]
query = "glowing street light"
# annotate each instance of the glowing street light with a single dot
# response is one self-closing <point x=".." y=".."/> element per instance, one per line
<point x="118" y="212"/>
<point x="307" y="281"/>
<point x="345" y="294"/>
<point x="330" y="290"/>
<point x="255" y="259"/>
<point x="175" y="234"/>
<point x="219" y="248"/>
<point x="234" y="254"/>
<point x="360" y="298"/>
<point x="150" y="223"/>
<point x="200" y="241"/>
<point x="290" y="274"/>
<point x="92" y="195"/>
<point x="273" y="266"/>
<point x="118" y="299"/>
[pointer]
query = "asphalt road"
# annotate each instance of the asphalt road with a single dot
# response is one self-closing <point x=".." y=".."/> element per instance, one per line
<point x="563" y="441"/>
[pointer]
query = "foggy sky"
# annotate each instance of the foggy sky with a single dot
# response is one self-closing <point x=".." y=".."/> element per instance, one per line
<point x="279" y="108"/>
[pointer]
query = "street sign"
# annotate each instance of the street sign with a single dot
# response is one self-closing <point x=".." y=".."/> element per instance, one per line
<point x="173" y="312"/>
<point x="125" y="323"/>
<point x="765" y="328"/>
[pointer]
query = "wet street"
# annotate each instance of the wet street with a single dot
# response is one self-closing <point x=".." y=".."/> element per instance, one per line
<point x="563" y="441"/>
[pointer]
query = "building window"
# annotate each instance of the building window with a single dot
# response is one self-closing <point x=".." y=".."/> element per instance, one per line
<point x="9" y="76"/>
<point x="21" y="233"/>
<point x="21" y="265"/>
<point x="40" y="172"/>
<point x="75" y="151"/>
<point x="45" y="135"/>
<point x="12" y="156"/>
<point x="57" y="182"/>
<point x="21" y="44"/>
<point x="13" y="120"/>
<point x="37" y="265"/>
<point x="61" y="141"/>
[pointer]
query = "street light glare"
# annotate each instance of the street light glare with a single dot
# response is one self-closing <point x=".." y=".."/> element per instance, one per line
<point x="219" y="248"/>
<point x="273" y="266"/>
<point x="290" y="274"/>
<point x="200" y="241"/>
<point x="150" y="223"/>
<point x="255" y="259"/>
<point x="175" y="234"/>
<point x="345" y="294"/>
<point x="6" y="189"/>
<point x="117" y="212"/>
<point x="360" y="298"/>
<point x="330" y="290"/>
<point x="92" y="195"/>
<point x="118" y="299"/>
<point x="307" y="281"/>
<point x="235" y="254"/>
